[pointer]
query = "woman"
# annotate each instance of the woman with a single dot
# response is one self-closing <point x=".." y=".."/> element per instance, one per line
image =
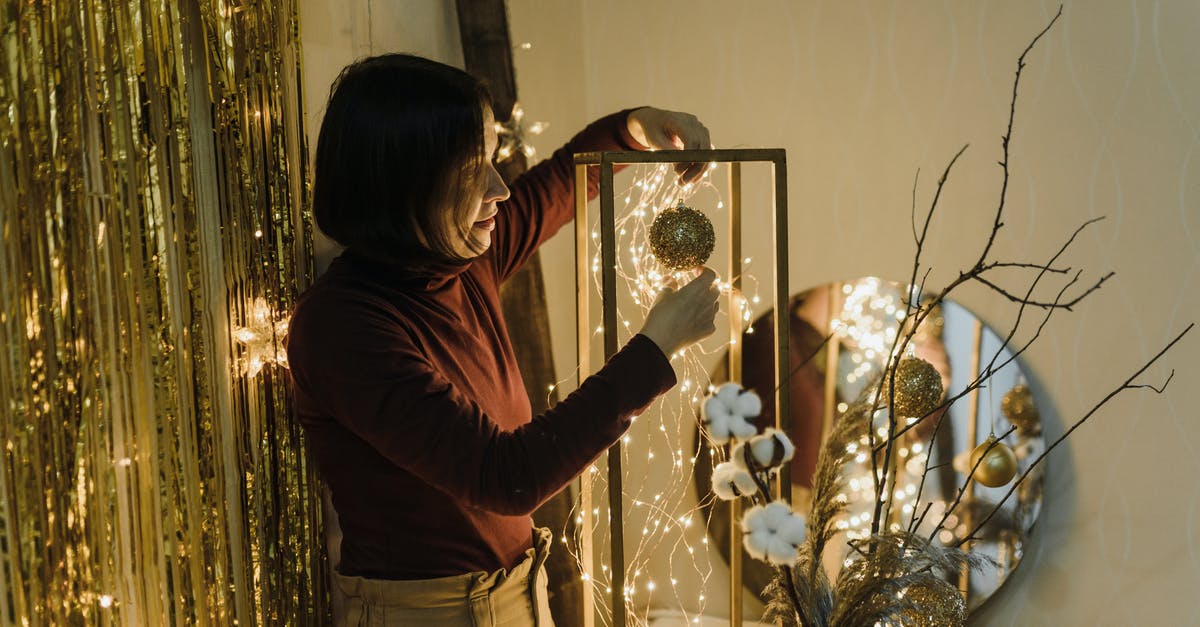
<point x="404" y="375"/>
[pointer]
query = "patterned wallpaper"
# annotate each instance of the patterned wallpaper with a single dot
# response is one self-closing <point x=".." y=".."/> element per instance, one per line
<point x="862" y="94"/>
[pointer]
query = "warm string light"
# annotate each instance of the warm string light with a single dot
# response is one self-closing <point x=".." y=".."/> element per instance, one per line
<point x="261" y="338"/>
<point x="664" y="511"/>
<point x="512" y="135"/>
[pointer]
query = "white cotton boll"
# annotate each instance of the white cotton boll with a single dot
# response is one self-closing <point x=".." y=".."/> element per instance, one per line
<point x="781" y="553"/>
<point x="741" y="429"/>
<point x="777" y="513"/>
<point x="728" y="393"/>
<point x="753" y="519"/>
<point x="737" y="455"/>
<point x="794" y="530"/>
<point x="756" y="544"/>
<point x="771" y="532"/>
<point x="731" y="482"/>
<point x="771" y="449"/>
<point x="716" y="410"/>
<point x="717" y="419"/>
<point x="748" y="404"/>
<point x="789" y="449"/>
<point x="724" y="416"/>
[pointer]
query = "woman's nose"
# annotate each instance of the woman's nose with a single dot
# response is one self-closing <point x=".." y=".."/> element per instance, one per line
<point x="496" y="190"/>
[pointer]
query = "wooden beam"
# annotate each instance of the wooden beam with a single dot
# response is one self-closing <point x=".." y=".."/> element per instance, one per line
<point x="487" y="53"/>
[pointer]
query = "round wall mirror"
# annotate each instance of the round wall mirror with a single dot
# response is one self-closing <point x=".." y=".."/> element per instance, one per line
<point x="861" y="318"/>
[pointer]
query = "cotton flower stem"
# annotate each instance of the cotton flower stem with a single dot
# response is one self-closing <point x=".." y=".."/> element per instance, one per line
<point x="755" y="471"/>
<point x="764" y="487"/>
<point x="789" y="579"/>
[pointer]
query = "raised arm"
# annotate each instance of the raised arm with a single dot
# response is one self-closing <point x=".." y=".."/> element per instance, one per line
<point x="543" y="199"/>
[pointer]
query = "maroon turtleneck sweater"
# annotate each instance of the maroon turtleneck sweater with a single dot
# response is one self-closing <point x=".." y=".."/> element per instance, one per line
<point x="414" y="408"/>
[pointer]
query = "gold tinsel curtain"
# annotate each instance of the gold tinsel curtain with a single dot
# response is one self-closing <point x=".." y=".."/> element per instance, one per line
<point x="152" y="240"/>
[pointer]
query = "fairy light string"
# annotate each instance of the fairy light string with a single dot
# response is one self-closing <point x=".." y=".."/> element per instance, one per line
<point x="659" y="517"/>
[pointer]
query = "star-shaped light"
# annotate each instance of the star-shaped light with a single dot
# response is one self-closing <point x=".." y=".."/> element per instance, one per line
<point x="512" y="135"/>
<point x="262" y="339"/>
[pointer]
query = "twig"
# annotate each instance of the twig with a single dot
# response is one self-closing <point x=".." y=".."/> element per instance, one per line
<point x="916" y="522"/>
<point x="1127" y="385"/>
<point x="911" y="306"/>
<point x="1013" y="264"/>
<point x="1156" y="389"/>
<point x="755" y="470"/>
<point x="804" y="362"/>
<point x="1033" y="303"/>
<point x="1012" y="113"/>
<point x="912" y="524"/>
<point x="992" y="366"/>
<point x="912" y="212"/>
<point x="970" y="477"/>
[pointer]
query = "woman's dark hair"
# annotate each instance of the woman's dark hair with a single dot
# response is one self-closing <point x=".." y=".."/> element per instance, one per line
<point x="401" y="143"/>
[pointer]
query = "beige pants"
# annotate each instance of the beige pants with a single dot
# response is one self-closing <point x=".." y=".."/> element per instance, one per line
<point x="516" y="598"/>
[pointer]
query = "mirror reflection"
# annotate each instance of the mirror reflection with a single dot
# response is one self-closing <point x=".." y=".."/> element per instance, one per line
<point x="861" y="318"/>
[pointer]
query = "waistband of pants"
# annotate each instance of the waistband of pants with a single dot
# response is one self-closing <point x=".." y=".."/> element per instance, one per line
<point x="456" y="590"/>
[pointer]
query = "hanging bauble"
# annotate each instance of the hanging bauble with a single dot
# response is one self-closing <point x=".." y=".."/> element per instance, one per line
<point x="918" y="387"/>
<point x="999" y="464"/>
<point x="1018" y="406"/>
<point x="935" y="604"/>
<point x="681" y="238"/>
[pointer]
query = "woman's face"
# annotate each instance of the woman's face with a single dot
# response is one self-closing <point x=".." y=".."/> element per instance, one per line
<point x="475" y="236"/>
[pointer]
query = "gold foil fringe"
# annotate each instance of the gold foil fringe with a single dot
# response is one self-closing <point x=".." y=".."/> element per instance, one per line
<point x="152" y="185"/>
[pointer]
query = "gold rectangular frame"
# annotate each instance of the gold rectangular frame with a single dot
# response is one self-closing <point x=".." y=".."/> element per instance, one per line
<point x="606" y="162"/>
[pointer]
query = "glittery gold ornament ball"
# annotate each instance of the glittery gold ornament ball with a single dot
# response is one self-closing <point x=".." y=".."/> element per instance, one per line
<point x="681" y="238"/>
<point x="1018" y="406"/>
<point x="918" y="387"/>
<point x="936" y="604"/>
<point x="999" y="464"/>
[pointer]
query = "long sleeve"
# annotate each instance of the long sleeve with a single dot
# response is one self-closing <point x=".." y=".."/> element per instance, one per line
<point x="367" y="371"/>
<point x="543" y="199"/>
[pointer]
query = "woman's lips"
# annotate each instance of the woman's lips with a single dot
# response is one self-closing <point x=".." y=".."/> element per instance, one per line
<point x="486" y="225"/>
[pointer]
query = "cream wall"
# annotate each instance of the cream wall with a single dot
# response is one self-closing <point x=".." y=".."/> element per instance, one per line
<point x="335" y="34"/>
<point x="861" y="94"/>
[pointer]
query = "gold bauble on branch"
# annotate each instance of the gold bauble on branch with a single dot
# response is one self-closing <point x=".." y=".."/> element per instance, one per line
<point x="918" y="387"/>
<point x="935" y="604"/>
<point x="999" y="464"/>
<point x="681" y="238"/>
<point x="1018" y="406"/>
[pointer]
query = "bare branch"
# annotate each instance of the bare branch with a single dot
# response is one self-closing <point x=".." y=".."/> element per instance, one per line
<point x="803" y="362"/>
<point x="1124" y="386"/>
<point x="1012" y="264"/>
<point x="1007" y="139"/>
<point x="990" y="369"/>
<point x="912" y="523"/>
<point x="1044" y="305"/>
<point x="912" y="214"/>
<point x="1158" y="389"/>
<point x="933" y="205"/>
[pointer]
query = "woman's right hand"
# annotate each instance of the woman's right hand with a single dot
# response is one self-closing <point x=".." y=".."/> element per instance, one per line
<point x="682" y="317"/>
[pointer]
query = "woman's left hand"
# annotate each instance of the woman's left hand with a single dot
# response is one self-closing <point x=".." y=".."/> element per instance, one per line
<point x="659" y="129"/>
